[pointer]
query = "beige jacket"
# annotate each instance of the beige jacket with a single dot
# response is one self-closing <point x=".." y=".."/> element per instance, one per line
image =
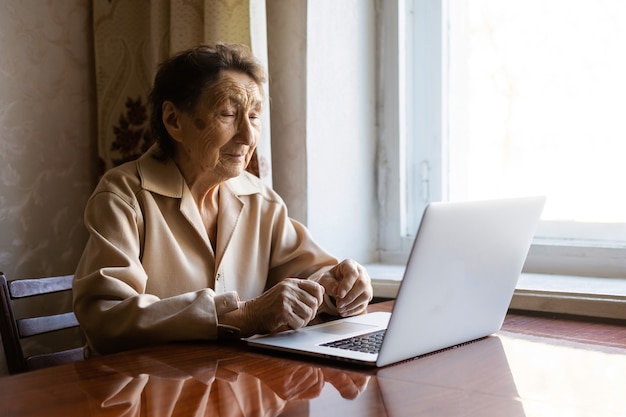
<point x="149" y="274"/>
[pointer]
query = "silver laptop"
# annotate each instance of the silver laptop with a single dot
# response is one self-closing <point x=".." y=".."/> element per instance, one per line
<point x="457" y="286"/>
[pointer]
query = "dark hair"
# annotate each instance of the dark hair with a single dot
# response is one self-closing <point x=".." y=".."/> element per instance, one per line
<point x="183" y="78"/>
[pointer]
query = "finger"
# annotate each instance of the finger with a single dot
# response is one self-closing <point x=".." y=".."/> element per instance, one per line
<point x="304" y="303"/>
<point x="359" y="292"/>
<point x="295" y="322"/>
<point x="354" y="309"/>
<point x="311" y="292"/>
<point x="329" y="282"/>
<point x="349" y="385"/>
<point x="347" y="273"/>
<point x="344" y="384"/>
<point x="301" y="313"/>
<point x="280" y="328"/>
<point x="307" y="383"/>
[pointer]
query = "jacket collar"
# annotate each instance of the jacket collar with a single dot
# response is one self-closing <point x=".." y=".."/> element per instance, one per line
<point x="164" y="177"/>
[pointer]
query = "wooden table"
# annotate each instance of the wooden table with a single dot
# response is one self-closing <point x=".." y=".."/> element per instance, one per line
<point x="533" y="367"/>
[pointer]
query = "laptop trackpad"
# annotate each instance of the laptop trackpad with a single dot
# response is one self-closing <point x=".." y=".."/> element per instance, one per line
<point x="343" y="327"/>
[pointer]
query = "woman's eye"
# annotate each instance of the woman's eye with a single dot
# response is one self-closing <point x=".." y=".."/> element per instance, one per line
<point x="254" y="114"/>
<point x="255" y="118"/>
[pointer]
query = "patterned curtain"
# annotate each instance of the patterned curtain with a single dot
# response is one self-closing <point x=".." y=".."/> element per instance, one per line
<point x="132" y="36"/>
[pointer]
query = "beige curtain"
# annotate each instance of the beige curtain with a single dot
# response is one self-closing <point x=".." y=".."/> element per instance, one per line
<point x="132" y="36"/>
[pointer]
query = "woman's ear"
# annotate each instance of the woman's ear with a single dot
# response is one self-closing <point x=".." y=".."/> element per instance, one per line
<point x="172" y="121"/>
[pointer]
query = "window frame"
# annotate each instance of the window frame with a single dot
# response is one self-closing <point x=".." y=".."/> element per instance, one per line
<point x="601" y="258"/>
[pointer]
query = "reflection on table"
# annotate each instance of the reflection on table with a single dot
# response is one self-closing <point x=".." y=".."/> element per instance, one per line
<point x="471" y="378"/>
<point x="242" y="385"/>
<point x="529" y="372"/>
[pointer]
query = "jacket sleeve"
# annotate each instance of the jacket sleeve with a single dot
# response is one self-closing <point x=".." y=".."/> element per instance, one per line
<point x="109" y="287"/>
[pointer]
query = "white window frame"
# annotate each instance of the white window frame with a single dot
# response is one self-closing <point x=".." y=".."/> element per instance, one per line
<point x="395" y="241"/>
<point x="559" y="258"/>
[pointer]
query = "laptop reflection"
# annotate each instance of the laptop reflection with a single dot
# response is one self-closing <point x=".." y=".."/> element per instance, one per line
<point x="470" y="380"/>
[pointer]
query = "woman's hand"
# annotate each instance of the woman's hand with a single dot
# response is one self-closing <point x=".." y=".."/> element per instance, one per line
<point x="350" y="285"/>
<point x="290" y="304"/>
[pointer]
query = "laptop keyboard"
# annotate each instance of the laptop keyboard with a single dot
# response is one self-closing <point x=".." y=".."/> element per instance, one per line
<point x="368" y="343"/>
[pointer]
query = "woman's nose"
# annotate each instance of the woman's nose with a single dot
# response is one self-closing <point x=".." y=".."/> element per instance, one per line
<point x="245" y="132"/>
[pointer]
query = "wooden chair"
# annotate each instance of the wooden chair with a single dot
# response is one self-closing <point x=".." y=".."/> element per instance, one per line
<point x="13" y="330"/>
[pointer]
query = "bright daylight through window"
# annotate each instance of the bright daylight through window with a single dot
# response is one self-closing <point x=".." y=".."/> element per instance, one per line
<point x="533" y="102"/>
<point x="505" y="98"/>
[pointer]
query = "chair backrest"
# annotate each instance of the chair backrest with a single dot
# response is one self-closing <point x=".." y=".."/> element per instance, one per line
<point x="13" y="329"/>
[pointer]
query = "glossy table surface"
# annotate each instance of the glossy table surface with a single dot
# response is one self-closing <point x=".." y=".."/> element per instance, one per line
<point x="533" y="367"/>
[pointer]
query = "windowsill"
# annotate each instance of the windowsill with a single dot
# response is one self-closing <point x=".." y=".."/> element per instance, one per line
<point x="560" y="294"/>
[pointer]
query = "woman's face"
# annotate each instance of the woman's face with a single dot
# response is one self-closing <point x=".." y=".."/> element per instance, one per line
<point x="219" y="136"/>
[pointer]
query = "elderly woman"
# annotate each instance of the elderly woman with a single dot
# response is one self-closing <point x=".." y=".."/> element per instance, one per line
<point x="184" y="243"/>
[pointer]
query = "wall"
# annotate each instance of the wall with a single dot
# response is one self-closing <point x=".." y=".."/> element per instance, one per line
<point x="341" y="126"/>
<point x="47" y="135"/>
<point x="287" y="56"/>
<point x="322" y="85"/>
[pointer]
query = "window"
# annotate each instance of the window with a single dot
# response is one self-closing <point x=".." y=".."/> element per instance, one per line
<point x="499" y="98"/>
